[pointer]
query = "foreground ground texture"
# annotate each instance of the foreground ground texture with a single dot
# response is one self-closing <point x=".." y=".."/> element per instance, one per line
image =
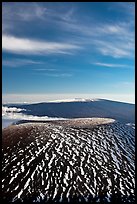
<point x="81" y="160"/>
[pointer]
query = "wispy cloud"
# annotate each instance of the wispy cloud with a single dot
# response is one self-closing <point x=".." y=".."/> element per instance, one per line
<point x="117" y="29"/>
<point x="109" y="39"/>
<point x="19" y="62"/>
<point x="33" y="12"/>
<point x="111" y="65"/>
<point x="26" y="14"/>
<point x="44" y="69"/>
<point x="62" y="75"/>
<point x="115" y="48"/>
<point x="28" y="46"/>
<point x="115" y="40"/>
<point x="22" y="12"/>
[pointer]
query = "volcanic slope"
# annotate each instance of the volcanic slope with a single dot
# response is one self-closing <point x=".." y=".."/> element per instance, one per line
<point x="65" y="161"/>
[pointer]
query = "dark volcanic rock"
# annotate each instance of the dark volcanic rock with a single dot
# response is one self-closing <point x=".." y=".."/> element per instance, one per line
<point x="59" y="161"/>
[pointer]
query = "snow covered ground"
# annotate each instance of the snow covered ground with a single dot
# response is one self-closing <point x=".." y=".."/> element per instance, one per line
<point x="75" y="160"/>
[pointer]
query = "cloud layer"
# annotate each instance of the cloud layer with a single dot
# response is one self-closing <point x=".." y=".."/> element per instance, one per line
<point x="7" y="110"/>
<point x="15" y="114"/>
<point x="37" y="98"/>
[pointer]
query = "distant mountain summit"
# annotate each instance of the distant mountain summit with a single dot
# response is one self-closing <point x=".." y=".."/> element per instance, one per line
<point x="81" y="108"/>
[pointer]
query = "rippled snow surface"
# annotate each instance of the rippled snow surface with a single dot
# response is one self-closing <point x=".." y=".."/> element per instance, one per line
<point x="54" y="162"/>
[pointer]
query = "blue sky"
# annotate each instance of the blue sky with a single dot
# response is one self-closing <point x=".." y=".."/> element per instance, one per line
<point x="68" y="48"/>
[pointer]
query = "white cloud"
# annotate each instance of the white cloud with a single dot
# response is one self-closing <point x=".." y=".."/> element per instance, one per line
<point x="57" y="74"/>
<point x="14" y="113"/>
<point x="110" y="39"/>
<point x="28" y="46"/>
<point x="112" y="29"/>
<point x="115" y="48"/>
<point x="8" y="110"/>
<point x="115" y="40"/>
<point x="23" y="11"/>
<point x="45" y="69"/>
<point x="19" y="62"/>
<point x="116" y="30"/>
<point x="111" y="65"/>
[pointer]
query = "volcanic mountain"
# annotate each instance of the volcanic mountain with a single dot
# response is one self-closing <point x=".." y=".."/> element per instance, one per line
<point x="80" y="109"/>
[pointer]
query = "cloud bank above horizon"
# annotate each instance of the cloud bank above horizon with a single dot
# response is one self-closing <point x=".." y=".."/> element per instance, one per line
<point x="37" y="98"/>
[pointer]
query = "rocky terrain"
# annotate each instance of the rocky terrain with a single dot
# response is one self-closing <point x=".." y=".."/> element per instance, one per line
<point x="78" y="160"/>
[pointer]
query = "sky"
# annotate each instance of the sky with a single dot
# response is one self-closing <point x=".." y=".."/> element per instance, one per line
<point x="53" y="50"/>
